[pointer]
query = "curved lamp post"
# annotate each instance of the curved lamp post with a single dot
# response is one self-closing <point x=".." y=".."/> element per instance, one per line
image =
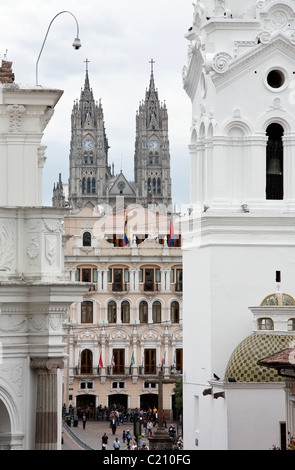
<point x="76" y="44"/>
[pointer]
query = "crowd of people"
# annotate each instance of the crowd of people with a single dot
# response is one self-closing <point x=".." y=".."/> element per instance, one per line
<point x="117" y="415"/>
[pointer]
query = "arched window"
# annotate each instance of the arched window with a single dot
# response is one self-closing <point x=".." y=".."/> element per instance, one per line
<point x="112" y="312"/>
<point x="159" y="186"/>
<point x="86" y="362"/>
<point x="83" y="186"/>
<point x="275" y="162"/>
<point x="125" y="312"/>
<point x="93" y="186"/>
<point x="157" y="312"/>
<point x="88" y="186"/>
<point x="87" y="312"/>
<point x="174" y="312"/>
<point x="154" y="185"/>
<point x="143" y="312"/>
<point x="86" y="239"/>
<point x="149" y="185"/>
<point x="265" y="324"/>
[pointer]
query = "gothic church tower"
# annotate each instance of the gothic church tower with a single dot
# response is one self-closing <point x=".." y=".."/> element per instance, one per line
<point x="89" y="170"/>
<point x="152" y="156"/>
<point x="91" y="180"/>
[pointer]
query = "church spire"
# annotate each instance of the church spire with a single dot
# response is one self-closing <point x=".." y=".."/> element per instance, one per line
<point x="152" y="92"/>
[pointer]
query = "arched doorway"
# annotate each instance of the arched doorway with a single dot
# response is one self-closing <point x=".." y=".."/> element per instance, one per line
<point x="148" y="400"/>
<point x="118" y="401"/>
<point x="5" y="428"/>
<point x="86" y="404"/>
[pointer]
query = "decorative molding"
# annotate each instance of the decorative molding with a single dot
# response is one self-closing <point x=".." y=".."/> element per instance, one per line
<point x="12" y="372"/>
<point x="16" y="113"/>
<point x="44" y="120"/>
<point x="7" y="245"/>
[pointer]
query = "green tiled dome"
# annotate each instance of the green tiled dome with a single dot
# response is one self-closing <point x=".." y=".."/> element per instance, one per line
<point x="242" y="365"/>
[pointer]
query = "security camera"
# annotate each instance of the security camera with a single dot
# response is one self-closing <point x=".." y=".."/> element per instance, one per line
<point x="77" y="43"/>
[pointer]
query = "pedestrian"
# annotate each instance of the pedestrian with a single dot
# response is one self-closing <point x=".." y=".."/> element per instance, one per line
<point x="84" y="420"/>
<point x="128" y="437"/>
<point x="116" y="444"/>
<point x="164" y="419"/>
<point x="149" y="428"/>
<point x="124" y="436"/>
<point x="134" y="446"/>
<point x="104" y="441"/>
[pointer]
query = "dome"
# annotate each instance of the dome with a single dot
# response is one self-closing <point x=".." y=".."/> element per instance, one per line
<point x="278" y="299"/>
<point x="243" y="367"/>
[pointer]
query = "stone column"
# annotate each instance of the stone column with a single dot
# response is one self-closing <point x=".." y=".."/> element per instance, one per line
<point x="46" y="435"/>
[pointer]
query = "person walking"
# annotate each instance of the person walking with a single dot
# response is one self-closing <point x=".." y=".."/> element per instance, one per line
<point x="104" y="441"/>
<point x="84" y="420"/>
<point x="128" y="437"/>
<point x="116" y="444"/>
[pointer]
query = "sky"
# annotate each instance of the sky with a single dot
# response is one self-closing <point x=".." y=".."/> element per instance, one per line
<point x="119" y="38"/>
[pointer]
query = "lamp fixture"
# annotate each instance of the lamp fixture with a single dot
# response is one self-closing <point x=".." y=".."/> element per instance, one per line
<point x="76" y="44"/>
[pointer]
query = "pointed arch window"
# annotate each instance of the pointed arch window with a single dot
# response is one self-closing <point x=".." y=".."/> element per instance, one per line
<point x="88" y="186"/>
<point x="93" y="186"/>
<point x="275" y="162"/>
<point x="83" y="185"/>
<point x="149" y="185"/>
<point x="159" y="186"/>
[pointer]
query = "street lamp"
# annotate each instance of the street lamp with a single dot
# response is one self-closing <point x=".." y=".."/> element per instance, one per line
<point x="76" y="44"/>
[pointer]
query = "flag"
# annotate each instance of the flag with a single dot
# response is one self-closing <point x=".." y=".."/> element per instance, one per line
<point x="126" y="232"/>
<point x="164" y="358"/>
<point x="171" y="231"/>
<point x="100" y="361"/>
<point x="132" y="359"/>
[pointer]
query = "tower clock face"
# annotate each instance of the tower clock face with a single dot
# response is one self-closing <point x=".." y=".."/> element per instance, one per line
<point x="153" y="145"/>
<point x="88" y="144"/>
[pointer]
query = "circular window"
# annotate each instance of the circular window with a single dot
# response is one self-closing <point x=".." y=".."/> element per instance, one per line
<point x="276" y="78"/>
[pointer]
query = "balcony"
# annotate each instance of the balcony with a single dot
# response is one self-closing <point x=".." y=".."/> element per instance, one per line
<point x="119" y="286"/>
<point x="151" y="287"/>
<point x="119" y="370"/>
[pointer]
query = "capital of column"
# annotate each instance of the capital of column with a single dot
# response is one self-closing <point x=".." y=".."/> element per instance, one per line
<point x="47" y="363"/>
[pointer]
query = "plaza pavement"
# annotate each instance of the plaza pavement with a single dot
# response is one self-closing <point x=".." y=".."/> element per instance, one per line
<point x="94" y="430"/>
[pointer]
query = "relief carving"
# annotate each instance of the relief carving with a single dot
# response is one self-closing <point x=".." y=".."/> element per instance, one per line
<point x="7" y="247"/>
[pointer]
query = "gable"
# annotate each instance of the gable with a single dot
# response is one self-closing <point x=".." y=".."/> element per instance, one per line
<point x="251" y="59"/>
<point x="121" y="187"/>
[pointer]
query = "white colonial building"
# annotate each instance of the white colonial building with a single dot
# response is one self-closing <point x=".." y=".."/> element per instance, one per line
<point x="240" y="79"/>
<point x="34" y="295"/>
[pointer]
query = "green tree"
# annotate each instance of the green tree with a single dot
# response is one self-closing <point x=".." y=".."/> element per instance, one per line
<point x="178" y="396"/>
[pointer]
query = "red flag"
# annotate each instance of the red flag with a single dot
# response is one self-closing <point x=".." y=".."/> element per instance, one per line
<point x="100" y="361"/>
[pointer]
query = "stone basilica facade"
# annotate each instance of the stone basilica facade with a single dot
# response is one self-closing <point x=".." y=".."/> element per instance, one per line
<point x="91" y="178"/>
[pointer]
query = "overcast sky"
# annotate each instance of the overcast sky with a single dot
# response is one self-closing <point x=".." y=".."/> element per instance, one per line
<point x="119" y="38"/>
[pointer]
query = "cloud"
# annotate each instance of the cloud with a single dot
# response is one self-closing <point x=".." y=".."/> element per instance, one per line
<point x="119" y="38"/>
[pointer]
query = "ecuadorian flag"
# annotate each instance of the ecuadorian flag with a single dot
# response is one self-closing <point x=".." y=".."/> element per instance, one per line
<point x="171" y="231"/>
<point x="126" y="232"/>
<point x="132" y="360"/>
